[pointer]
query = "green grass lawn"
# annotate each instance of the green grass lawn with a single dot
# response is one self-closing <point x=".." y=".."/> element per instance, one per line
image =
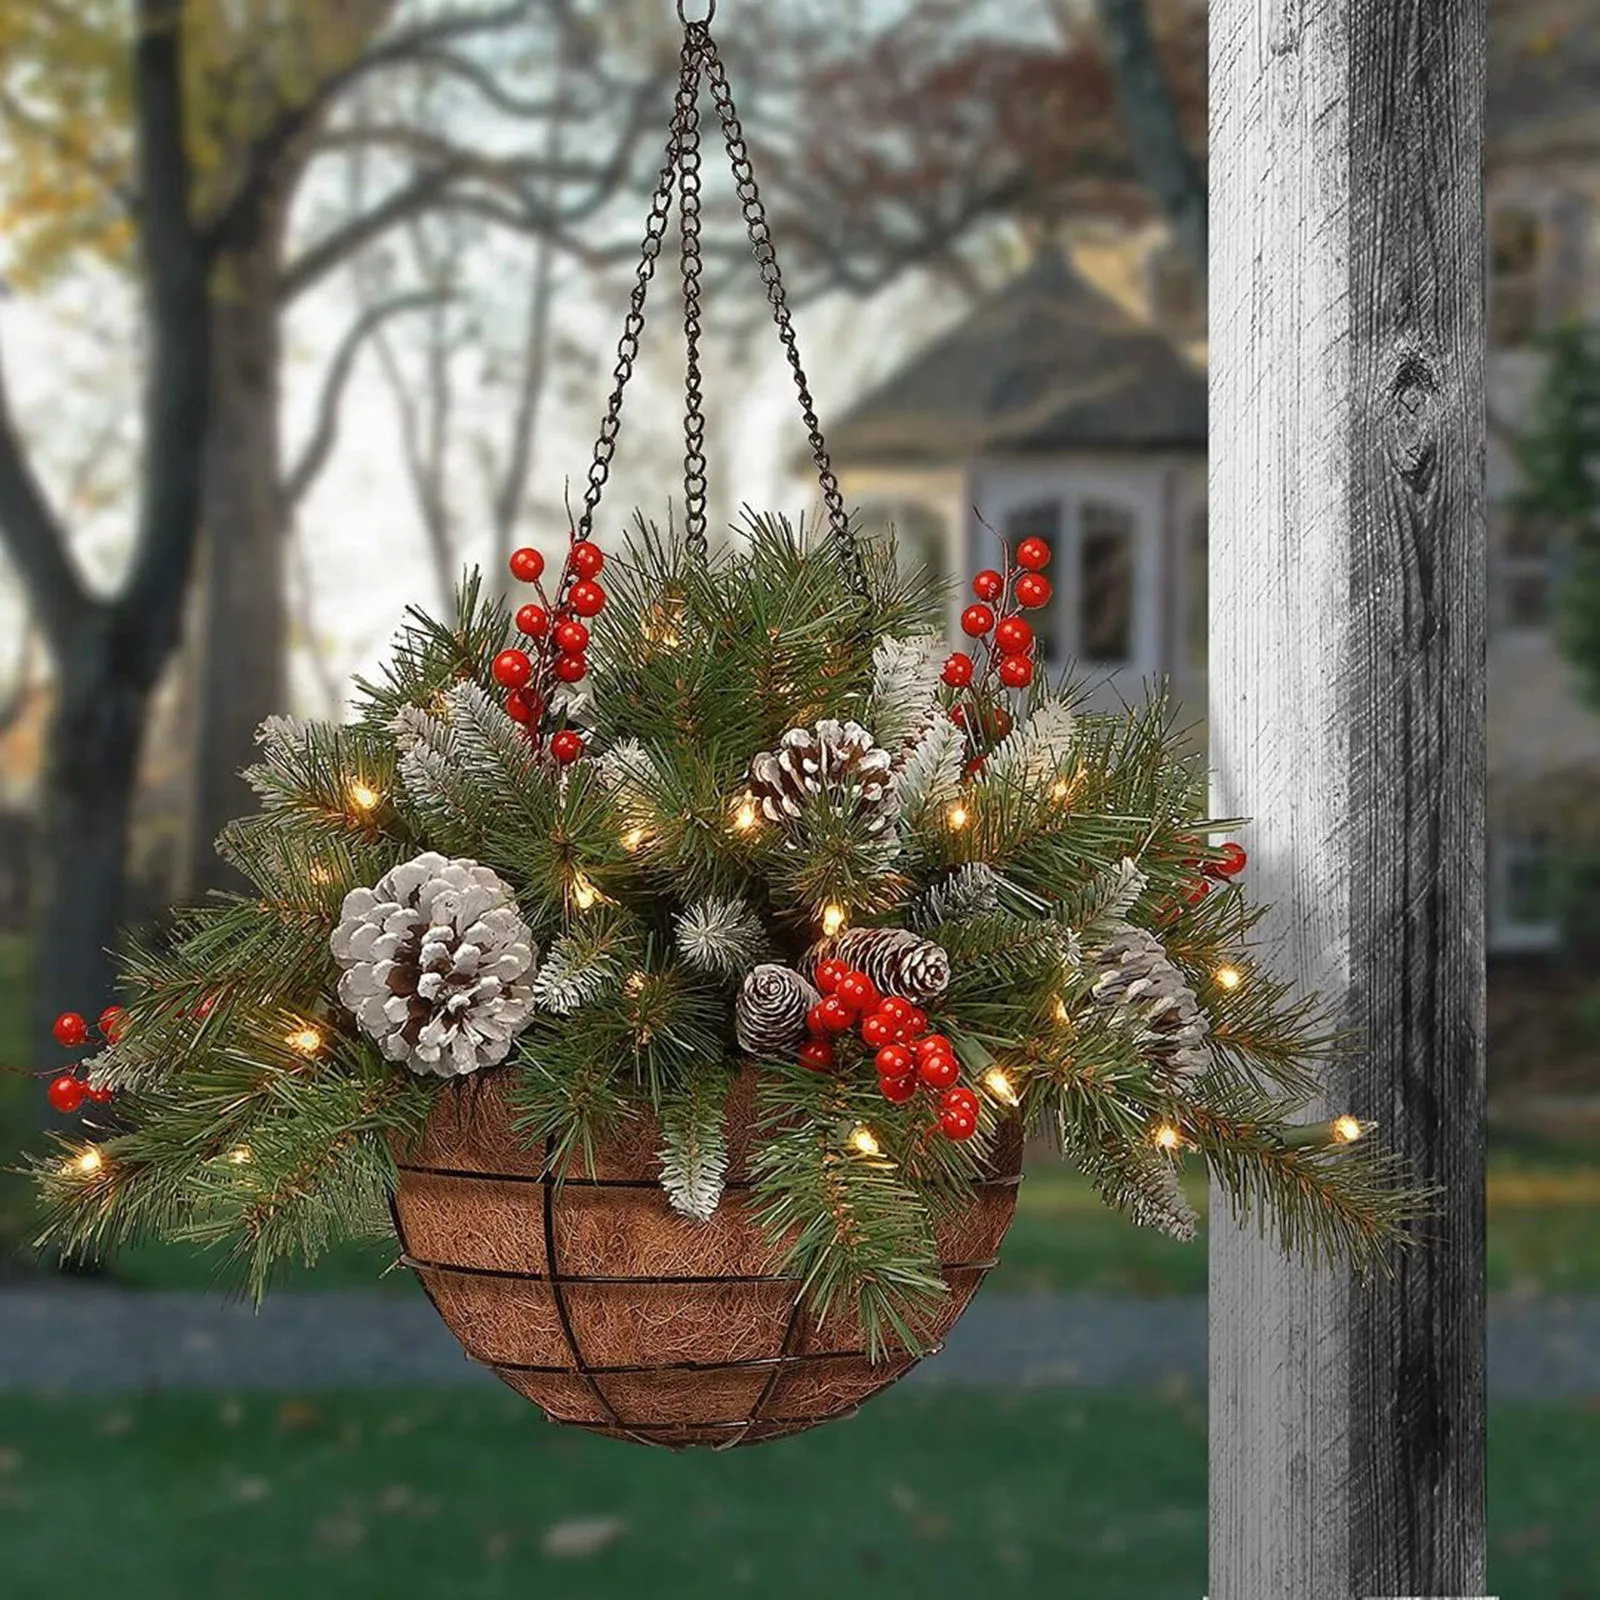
<point x="1544" y="1217"/>
<point x="473" y="1497"/>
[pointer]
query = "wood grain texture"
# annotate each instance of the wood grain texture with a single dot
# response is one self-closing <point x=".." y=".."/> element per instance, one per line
<point x="1347" y="716"/>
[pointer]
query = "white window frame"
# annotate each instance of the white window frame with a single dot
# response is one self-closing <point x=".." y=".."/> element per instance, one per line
<point x="1543" y="282"/>
<point x="1006" y="489"/>
<point x="1503" y="566"/>
<point x="1507" y="936"/>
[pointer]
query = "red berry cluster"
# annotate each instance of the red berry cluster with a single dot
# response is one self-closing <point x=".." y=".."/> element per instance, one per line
<point x="67" y="1091"/>
<point x="558" y="640"/>
<point x="1224" y="871"/>
<point x="1007" y="639"/>
<point x="906" y="1052"/>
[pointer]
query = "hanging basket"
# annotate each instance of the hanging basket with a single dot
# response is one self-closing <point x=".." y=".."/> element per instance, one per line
<point x="594" y="1299"/>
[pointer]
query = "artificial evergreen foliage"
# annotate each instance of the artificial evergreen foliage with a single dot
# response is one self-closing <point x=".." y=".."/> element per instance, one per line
<point x="1021" y="846"/>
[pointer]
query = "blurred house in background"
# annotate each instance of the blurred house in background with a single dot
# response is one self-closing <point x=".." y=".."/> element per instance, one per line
<point x="1071" y="406"/>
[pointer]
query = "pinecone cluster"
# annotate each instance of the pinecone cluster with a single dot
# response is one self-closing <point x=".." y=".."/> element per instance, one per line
<point x="898" y="961"/>
<point x="1142" y="989"/>
<point x="769" y="1017"/>
<point x="438" y="965"/>
<point x="838" y="761"/>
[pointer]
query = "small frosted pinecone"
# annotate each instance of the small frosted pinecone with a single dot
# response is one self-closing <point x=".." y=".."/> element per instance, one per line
<point x="1142" y="989"/>
<point x="438" y="965"/>
<point x="839" y="762"/>
<point x="897" y="960"/>
<point x="769" y="1017"/>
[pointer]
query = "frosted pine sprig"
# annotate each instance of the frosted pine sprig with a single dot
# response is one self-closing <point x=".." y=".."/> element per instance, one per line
<point x="931" y="774"/>
<point x="970" y="891"/>
<point x="722" y="936"/>
<point x="1038" y="750"/>
<point x="694" y="1149"/>
<point x="905" y="688"/>
<point x="572" y="975"/>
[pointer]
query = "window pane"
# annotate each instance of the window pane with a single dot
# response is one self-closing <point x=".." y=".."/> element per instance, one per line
<point x="919" y="536"/>
<point x="1524" y="548"/>
<point x="1197" y="629"/>
<point x="1529" y="882"/>
<point x="1042" y="520"/>
<point x="1514" y="240"/>
<point x="1105" y="593"/>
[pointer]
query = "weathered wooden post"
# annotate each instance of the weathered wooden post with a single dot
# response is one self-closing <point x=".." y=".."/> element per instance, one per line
<point x="1347" y="717"/>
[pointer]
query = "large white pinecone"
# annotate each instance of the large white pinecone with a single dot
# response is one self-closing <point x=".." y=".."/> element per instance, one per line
<point x="438" y="965"/>
<point x="1143" y="990"/>
<point x="769" y="1017"/>
<point x="838" y="761"/>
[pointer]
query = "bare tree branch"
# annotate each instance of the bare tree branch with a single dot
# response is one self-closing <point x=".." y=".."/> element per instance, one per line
<point x="1150" y="121"/>
<point x="324" y="435"/>
<point x="36" y="541"/>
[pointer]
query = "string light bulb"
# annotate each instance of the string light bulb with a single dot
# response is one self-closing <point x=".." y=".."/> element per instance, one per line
<point x="86" y="1164"/>
<point x="584" y="893"/>
<point x="239" y="1156"/>
<point x="635" y="983"/>
<point x="1000" y="1086"/>
<point x="957" y="817"/>
<point x="362" y="796"/>
<point x="632" y="839"/>
<point x="865" y="1142"/>
<point x="307" y="1041"/>
<point x="834" y="917"/>
<point x="1166" y="1137"/>
<point x="1228" y="977"/>
<point x="1061" y="1013"/>
<point x="1347" y="1129"/>
<point x="746" y="817"/>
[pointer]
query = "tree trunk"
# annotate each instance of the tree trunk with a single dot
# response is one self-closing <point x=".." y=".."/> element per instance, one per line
<point x="239" y="659"/>
<point x="1347" y="720"/>
<point x="87" y="797"/>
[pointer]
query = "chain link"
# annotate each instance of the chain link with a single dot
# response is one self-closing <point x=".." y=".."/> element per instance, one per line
<point x="633" y="325"/>
<point x="766" y="255"/>
<point x="694" y="420"/>
<point x="682" y="170"/>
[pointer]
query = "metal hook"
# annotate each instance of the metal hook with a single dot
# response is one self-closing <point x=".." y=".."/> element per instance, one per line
<point x="705" y="21"/>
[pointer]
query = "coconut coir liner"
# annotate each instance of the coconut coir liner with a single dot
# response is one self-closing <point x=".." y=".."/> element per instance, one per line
<point x="614" y="1313"/>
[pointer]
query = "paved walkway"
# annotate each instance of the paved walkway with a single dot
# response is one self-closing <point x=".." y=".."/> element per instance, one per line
<point x="90" y="1338"/>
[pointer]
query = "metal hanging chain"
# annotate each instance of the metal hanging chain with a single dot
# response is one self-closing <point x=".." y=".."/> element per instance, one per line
<point x="694" y="419"/>
<point x="655" y="231"/>
<point x="767" y="257"/>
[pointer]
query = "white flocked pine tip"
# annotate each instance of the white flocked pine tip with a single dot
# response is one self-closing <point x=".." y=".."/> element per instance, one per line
<point x="905" y="688"/>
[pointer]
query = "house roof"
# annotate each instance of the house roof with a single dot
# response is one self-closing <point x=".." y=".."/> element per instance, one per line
<point x="1045" y="364"/>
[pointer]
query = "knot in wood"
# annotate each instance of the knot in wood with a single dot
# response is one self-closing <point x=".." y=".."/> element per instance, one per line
<point x="1413" y="419"/>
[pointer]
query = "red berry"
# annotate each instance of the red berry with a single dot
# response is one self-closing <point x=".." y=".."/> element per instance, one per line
<point x="896" y="1009"/>
<point x="988" y="585"/>
<point x="897" y="1090"/>
<point x="977" y="621"/>
<point x="101" y="1097"/>
<point x="527" y="565"/>
<point x="1016" y="672"/>
<point x="830" y="973"/>
<point x="518" y="707"/>
<point x="110" y="1023"/>
<point x="1233" y="860"/>
<point x="533" y="621"/>
<point x="894" y="1061"/>
<point x="958" y="715"/>
<point x="916" y="1022"/>
<point x="938" y="1071"/>
<point x="572" y="637"/>
<point x="817" y="1054"/>
<point x="814" y="1023"/>
<point x="1197" y="891"/>
<point x="1034" y="554"/>
<point x="587" y="599"/>
<point x="1012" y="636"/>
<point x="512" y="669"/>
<point x="960" y="1098"/>
<point x="70" y="1029"/>
<point x="835" y="1015"/>
<point x="999" y="723"/>
<point x="205" y="1008"/>
<point x="958" y="671"/>
<point x="877" y="1030"/>
<point x="66" y="1093"/>
<point x="587" y="559"/>
<point x="1033" y="591"/>
<point x="934" y="1045"/>
<point x="957" y="1125"/>
<point x="569" y="669"/>
<point x="566" y="746"/>
<point x="858" y="991"/>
